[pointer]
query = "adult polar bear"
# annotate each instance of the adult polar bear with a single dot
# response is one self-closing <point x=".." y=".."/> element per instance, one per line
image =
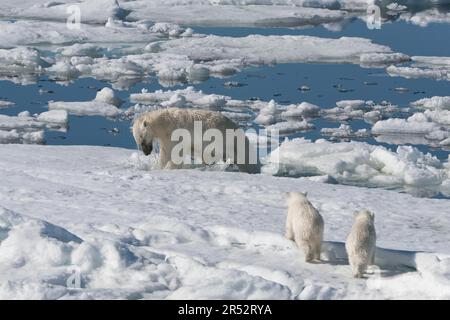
<point x="161" y="124"/>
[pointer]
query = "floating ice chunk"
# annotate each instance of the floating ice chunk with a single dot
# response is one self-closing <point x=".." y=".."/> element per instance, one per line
<point x="234" y="13"/>
<point x="287" y="127"/>
<point x="54" y="116"/>
<point x="424" y="18"/>
<point x="105" y="104"/>
<point x="433" y="103"/>
<point x="197" y="73"/>
<point x="192" y="98"/>
<point x="93" y="11"/>
<point x="177" y="101"/>
<point x="353" y="104"/>
<point x="432" y="125"/>
<point x="344" y="132"/>
<point x="64" y="70"/>
<point x="373" y="116"/>
<point x="414" y="73"/>
<point x="304" y="110"/>
<point x="396" y="7"/>
<point x="360" y="109"/>
<point x="5" y="104"/>
<point x="21" y="60"/>
<point x="107" y="95"/>
<point x="237" y="116"/>
<point x="382" y="59"/>
<point x="211" y="101"/>
<point x="27" y="128"/>
<point x="267" y="115"/>
<point x="439" y="116"/>
<point x="416" y="124"/>
<point x="350" y="162"/>
<point x="253" y="49"/>
<point x="25" y="137"/>
<point x="24" y="121"/>
<point x="86" y="108"/>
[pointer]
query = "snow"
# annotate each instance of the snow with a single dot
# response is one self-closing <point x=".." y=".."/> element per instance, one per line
<point x="258" y="49"/>
<point x="93" y="216"/>
<point x="206" y="13"/>
<point x="360" y="109"/>
<point x="104" y="105"/>
<point x="21" y="59"/>
<point x="433" y="103"/>
<point x="424" y="18"/>
<point x="360" y="163"/>
<point x="292" y="126"/>
<point x="54" y="116"/>
<point x="437" y="68"/>
<point x="416" y="124"/>
<point x="29" y="129"/>
<point x="92" y="11"/>
<point x="344" y="132"/>
<point x="415" y="73"/>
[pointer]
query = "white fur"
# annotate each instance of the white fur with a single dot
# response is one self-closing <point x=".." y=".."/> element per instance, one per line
<point x="160" y="124"/>
<point x="361" y="243"/>
<point x="304" y="225"/>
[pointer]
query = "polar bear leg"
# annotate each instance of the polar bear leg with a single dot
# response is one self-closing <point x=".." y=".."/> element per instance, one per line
<point x="307" y="249"/>
<point x="372" y="257"/>
<point x="317" y="249"/>
<point x="289" y="233"/>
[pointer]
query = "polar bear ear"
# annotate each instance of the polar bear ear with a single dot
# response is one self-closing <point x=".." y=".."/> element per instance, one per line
<point x="372" y="215"/>
<point x="305" y="193"/>
<point x="146" y="124"/>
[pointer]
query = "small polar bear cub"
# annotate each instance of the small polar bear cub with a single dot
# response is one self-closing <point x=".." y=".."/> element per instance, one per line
<point x="361" y="243"/>
<point x="304" y="225"/>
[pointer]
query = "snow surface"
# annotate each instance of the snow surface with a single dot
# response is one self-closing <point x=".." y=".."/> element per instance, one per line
<point x="98" y="215"/>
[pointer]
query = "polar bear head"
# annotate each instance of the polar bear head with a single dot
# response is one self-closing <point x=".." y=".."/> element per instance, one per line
<point x="293" y="197"/>
<point x="143" y="135"/>
<point x="365" y="215"/>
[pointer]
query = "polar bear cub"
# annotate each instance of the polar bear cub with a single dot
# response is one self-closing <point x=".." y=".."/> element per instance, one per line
<point x="361" y="243"/>
<point x="304" y="225"/>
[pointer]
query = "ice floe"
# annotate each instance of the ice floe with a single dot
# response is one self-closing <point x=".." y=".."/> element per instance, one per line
<point x="433" y="103"/>
<point x="437" y="68"/>
<point x="86" y="108"/>
<point x="359" y="162"/>
<point x="254" y="49"/>
<point x="360" y="109"/>
<point x="5" y="104"/>
<point x="29" y="129"/>
<point x="345" y="132"/>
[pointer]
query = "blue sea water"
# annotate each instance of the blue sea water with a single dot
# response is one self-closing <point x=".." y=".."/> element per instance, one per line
<point x="279" y="82"/>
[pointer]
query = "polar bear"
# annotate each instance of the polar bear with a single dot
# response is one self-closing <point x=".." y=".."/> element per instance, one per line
<point x="304" y="225"/>
<point x="161" y="124"/>
<point x="361" y="243"/>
